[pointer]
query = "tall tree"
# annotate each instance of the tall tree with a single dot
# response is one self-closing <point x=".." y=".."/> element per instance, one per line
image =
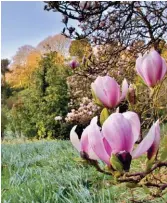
<point x="120" y="29"/>
<point x="21" y="56"/>
<point x="58" y="43"/>
<point x="4" y="69"/>
<point x="45" y="98"/>
<point x="20" y="76"/>
<point x="4" y="66"/>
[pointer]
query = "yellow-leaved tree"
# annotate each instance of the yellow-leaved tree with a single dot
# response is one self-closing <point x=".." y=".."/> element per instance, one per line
<point x="20" y="76"/>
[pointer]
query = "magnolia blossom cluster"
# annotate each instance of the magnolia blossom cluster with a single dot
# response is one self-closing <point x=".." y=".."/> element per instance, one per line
<point x="117" y="136"/>
<point x="84" y="113"/>
<point x="119" y="132"/>
<point x="151" y="68"/>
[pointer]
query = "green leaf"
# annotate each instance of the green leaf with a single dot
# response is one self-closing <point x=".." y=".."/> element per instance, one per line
<point x="116" y="164"/>
<point x="104" y="115"/>
<point x="96" y="100"/>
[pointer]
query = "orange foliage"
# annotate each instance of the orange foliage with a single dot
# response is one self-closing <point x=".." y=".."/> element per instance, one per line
<point x="21" y="74"/>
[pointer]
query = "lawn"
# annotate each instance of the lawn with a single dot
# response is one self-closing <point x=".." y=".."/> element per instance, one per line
<point x="50" y="171"/>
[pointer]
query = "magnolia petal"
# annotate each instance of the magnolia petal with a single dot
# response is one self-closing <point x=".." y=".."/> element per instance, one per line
<point x="92" y="154"/>
<point x="107" y="91"/>
<point x="157" y="61"/>
<point x="85" y="145"/>
<point x="118" y="132"/>
<point x="117" y="110"/>
<point x="100" y="94"/>
<point x="155" y="146"/>
<point x="112" y="90"/>
<point x="135" y="123"/>
<point x="164" y="69"/>
<point x="146" y="143"/>
<point x="150" y="73"/>
<point x="74" y="139"/>
<point x="124" y="89"/>
<point x="107" y="146"/>
<point x="96" y="141"/>
<point x="139" y="65"/>
<point x="84" y="141"/>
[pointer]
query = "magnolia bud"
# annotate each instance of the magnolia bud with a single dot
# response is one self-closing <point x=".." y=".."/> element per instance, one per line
<point x="151" y="68"/>
<point x="71" y="30"/>
<point x="73" y="64"/>
<point x="102" y="24"/>
<point x="94" y="39"/>
<point x="131" y="94"/>
<point x="65" y="19"/>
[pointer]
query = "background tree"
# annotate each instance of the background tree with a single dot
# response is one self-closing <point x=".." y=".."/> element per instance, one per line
<point x="21" y="56"/>
<point x="20" y="75"/>
<point x="121" y="25"/>
<point x="4" y="66"/>
<point x="6" y="92"/>
<point x="80" y="48"/>
<point x="45" y="98"/>
<point x="119" y="31"/>
<point x="105" y="22"/>
<point x="27" y="57"/>
<point x="58" y="43"/>
<point x="4" y="86"/>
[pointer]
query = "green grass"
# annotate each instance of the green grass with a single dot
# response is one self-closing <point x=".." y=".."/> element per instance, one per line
<point x="48" y="172"/>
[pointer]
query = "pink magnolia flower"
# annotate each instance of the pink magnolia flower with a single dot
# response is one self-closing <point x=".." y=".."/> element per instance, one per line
<point x="108" y="92"/>
<point x="82" y="145"/>
<point x="151" y="68"/>
<point x="117" y="136"/>
<point x="73" y="64"/>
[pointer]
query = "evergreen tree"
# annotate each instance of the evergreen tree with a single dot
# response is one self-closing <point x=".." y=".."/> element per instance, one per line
<point x="45" y="98"/>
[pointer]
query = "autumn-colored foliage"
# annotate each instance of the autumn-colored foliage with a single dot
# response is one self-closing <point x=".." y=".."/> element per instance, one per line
<point x="21" y="74"/>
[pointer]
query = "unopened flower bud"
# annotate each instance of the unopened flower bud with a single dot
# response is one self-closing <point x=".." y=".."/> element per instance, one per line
<point x="102" y="24"/>
<point x="65" y="19"/>
<point x="151" y="68"/>
<point x="73" y="64"/>
<point x="71" y="30"/>
<point x="131" y="94"/>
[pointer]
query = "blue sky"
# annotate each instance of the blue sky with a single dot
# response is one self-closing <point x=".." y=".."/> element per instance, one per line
<point x="26" y="23"/>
